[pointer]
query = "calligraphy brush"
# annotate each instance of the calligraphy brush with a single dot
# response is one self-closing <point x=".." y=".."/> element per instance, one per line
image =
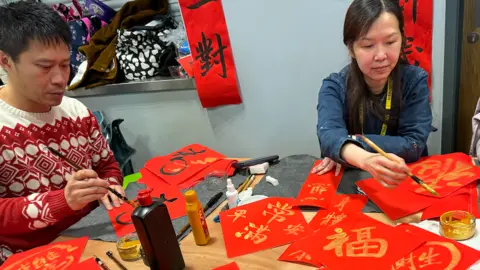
<point x="209" y="205"/>
<point x="415" y="178"/>
<point x="78" y="168"/>
<point x="247" y="183"/>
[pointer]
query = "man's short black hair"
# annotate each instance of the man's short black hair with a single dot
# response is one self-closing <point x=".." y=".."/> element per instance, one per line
<point x="26" y="21"/>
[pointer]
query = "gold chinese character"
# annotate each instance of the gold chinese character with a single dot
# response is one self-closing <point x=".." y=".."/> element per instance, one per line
<point x="68" y="248"/>
<point x="203" y="162"/>
<point x="310" y="199"/>
<point x="338" y="240"/>
<point x="238" y="214"/>
<point x="405" y="262"/>
<point x="433" y="172"/>
<point x="342" y="204"/>
<point x="256" y="236"/>
<point x="455" y="257"/>
<point x="52" y="255"/>
<point x="24" y="266"/>
<point x="294" y="229"/>
<point x="279" y="212"/>
<point x="63" y="265"/>
<point x="39" y="262"/>
<point x="318" y="188"/>
<point x="428" y="259"/>
<point x="300" y="254"/>
<point x="365" y="243"/>
<point x="333" y="218"/>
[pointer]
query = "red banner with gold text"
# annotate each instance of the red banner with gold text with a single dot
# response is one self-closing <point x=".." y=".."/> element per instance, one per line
<point x="418" y="15"/>
<point x="213" y="65"/>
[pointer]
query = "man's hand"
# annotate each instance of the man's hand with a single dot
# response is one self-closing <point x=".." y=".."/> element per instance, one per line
<point x="83" y="188"/>
<point x="116" y="201"/>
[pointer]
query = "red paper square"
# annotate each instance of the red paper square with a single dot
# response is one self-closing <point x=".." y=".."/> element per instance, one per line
<point x="230" y="266"/>
<point x="262" y="225"/>
<point x="363" y="242"/>
<point x="436" y="253"/>
<point x="88" y="264"/>
<point x="179" y="167"/>
<point x="58" y="255"/>
<point x="444" y="173"/>
<point x="295" y="253"/>
<point x="318" y="190"/>
<point x="342" y="207"/>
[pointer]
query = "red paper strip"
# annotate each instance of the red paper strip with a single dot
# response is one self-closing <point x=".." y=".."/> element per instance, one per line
<point x="399" y="202"/>
<point x="295" y="253"/>
<point x="187" y="64"/>
<point x="214" y="68"/>
<point x="89" y="264"/>
<point x="418" y="20"/>
<point x="58" y="255"/>
<point x="318" y="190"/>
<point x="444" y="173"/>
<point x="362" y="241"/>
<point x="180" y="167"/>
<point x="342" y="207"/>
<point x="438" y="253"/>
<point x="262" y="225"/>
<point x="171" y="195"/>
<point x="230" y="266"/>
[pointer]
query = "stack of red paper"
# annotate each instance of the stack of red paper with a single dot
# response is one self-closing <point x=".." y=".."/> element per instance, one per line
<point x="453" y="176"/>
<point x="168" y="175"/>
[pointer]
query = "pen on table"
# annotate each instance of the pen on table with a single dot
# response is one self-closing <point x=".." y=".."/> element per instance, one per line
<point x="117" y="262"/>
<point x="209" y="205"/>
<point x="415" y="178"/>
<point x="78" y="168"/>
<point x="100" y="263"/>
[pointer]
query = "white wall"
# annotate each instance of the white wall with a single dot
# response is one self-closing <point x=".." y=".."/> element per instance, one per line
<point x="282" y="53"/>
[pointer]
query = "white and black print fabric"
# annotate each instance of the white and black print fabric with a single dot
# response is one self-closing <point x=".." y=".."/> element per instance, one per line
<point x="139" y="53"/>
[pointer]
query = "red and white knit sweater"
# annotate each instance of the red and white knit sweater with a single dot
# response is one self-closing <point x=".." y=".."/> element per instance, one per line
<point x="33" y="209"/>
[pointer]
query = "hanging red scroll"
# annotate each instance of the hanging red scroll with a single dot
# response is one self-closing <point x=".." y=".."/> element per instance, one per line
<point x="418" y="16"/>
<point x="213" y="65"/>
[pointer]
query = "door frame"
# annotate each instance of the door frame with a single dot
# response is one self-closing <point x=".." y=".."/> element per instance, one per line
<point x="451" y="73"/>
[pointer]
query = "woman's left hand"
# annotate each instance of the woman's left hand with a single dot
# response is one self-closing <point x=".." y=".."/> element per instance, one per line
<point x="117" y="202"/>
<point x="325" y="166"/>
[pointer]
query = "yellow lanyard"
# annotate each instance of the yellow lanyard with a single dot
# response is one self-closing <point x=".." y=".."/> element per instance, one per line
<point x="388" y="106"/>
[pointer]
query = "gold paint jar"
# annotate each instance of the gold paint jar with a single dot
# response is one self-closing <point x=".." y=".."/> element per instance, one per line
<point x="457" y="225"/>
<point x="129" y="247"/>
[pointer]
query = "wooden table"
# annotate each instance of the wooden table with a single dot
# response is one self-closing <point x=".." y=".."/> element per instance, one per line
<point x="213" y="254"/>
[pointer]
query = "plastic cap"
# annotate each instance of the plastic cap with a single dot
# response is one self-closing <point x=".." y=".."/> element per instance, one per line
<point x="230" y="186"/>
<point x="145" y="197"/>
<point x="191" y="196"/>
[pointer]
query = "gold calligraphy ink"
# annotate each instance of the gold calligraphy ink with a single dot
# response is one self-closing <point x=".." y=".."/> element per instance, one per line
<point x="428" y="259"/>
<point x="257" y="235"/>
<point x="204" y="161"/>
<point x="300" y="254"/>
<point x="39" y="262"/>
<point x="318" y="188"/>
<point x="294" y="229"/>
<point x="365" y="243"/>
<point x="279" y="212"/>
<point x="238" y="214"/>
<point x="342" y="204"/>
<point x="332" y="218"/>
<point x="337" y="242"/>
<point x="405" y="262"/>
<point x="456" y="256"/>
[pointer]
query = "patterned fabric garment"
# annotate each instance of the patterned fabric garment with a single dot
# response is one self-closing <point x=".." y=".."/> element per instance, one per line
<point x="33" y="208"/>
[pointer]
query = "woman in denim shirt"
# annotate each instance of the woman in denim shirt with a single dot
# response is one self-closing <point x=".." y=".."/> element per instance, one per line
<point x="355" y="100"/>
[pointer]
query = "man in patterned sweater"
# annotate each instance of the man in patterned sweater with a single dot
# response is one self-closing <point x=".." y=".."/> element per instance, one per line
<point x="41" y="195"/>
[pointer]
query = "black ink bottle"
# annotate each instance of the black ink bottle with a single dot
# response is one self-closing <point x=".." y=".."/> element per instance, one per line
<point x="156" y="234"/>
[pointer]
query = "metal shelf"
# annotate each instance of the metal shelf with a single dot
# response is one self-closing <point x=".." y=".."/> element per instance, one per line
<point x="153" y="85"/>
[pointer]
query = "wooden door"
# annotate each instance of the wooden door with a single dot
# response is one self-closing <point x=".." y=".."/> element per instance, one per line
<point x="469" y="91"/>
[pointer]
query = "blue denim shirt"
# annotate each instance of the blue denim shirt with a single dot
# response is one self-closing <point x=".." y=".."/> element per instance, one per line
<point x="408" y="141"/>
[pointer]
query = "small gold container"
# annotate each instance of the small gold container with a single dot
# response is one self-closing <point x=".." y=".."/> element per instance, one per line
<point x="129" y="247"/>
<point x="457" y="225"/>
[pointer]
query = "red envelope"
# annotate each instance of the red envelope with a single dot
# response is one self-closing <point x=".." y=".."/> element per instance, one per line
<point x="295" y="253"/>
<point x="187" y="64"/>
<point x="262" y="225"/>
<point x="58" y="255"/>
<point x="437" y="253"/>
<point x="363" y="242"/>
<point x="342" y="207"/>
<point x="230" y="266"/>
<point x="318" y="190"/>
<point x="179" y="167"/>
<point x="444" y="173"/>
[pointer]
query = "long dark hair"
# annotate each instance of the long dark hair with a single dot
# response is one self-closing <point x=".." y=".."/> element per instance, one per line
<point x="359" y="18"/>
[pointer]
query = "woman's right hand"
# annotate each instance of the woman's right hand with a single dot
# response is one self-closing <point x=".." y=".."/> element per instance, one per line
<point x="389" y="173"/>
